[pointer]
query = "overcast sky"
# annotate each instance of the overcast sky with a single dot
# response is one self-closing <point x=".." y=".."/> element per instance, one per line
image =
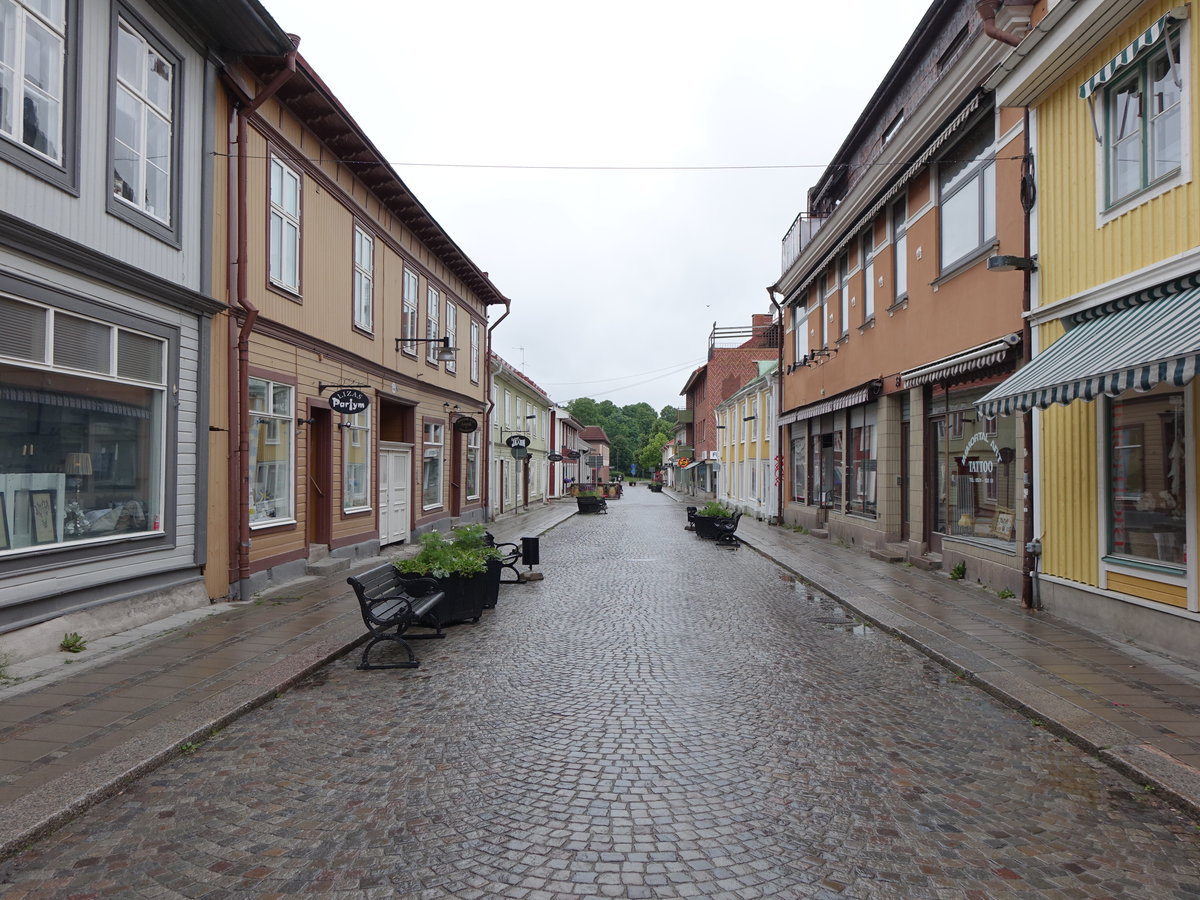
<point x="557" y="144"/>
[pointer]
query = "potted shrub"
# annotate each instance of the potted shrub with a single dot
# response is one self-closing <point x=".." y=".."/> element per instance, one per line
<point x="706" y="518"/>
<point x="460" y="564"/>
<point x="590" y="502"/>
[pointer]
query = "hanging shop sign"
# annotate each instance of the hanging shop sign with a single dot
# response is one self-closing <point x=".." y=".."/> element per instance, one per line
<point x="519" y="444"/>
<point x="572" y="454"/>
<point x="465" y="425"/>
<point x="348" y="401"/>
<point x="554" y="457"/>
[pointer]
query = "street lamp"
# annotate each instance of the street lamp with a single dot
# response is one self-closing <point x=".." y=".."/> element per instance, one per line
<point x="446" y="354"/>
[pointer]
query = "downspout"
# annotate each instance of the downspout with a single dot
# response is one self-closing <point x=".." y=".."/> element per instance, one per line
<point x="987" y="10"/>
<point x="779" y="443"/>
<point x="487" y="456"/>
<point x="246" y="107"/>
<point x="1030" y="595"/>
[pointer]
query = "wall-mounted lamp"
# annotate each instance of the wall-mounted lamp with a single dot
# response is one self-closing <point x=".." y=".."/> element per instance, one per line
<point x="446" y="354"/>
<point x="1012" y="263"/>
<point x="748" y="418"/>
<point x="307" y="421"/>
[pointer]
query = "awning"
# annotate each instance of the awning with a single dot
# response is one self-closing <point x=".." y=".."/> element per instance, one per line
<point x="1133" y="348"/>
<point x="833" y="404"/>
<point x="1146" y="39"/>
<point x="981" y="357"/>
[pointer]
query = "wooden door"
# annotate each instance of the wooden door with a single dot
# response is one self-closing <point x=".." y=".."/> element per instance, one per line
<point x="395" y="486"/>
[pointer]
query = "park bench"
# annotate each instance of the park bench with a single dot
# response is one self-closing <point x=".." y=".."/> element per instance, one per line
<point x="510" y="555"/>
<point x="719" y="529"/>
<point x="391" y="604"/>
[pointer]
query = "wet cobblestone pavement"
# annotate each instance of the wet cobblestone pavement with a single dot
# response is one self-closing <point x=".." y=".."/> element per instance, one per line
<point x="657" y="718"/>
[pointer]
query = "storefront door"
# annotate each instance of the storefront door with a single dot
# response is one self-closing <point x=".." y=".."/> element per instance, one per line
<point x="395" y="485"/>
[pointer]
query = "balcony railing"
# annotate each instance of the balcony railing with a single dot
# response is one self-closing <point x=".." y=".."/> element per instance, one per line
<point x="798" y="237"/>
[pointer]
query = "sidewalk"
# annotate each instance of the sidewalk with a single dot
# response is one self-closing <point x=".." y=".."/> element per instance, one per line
<point x="77" y="728"/>
<point x="73" y="734"/>
<point x="1137" y="711"/>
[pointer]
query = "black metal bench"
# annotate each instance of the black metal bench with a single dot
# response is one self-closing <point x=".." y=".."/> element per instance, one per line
<point x="510" y="555"/>
<point x="717" y="528"/>
<point x="390" y="606"/>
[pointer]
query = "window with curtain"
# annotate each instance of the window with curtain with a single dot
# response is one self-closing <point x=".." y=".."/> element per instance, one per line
<point x="272" y="452"/>
<point x="431" y="465"/>
<point x="862" y="463"/>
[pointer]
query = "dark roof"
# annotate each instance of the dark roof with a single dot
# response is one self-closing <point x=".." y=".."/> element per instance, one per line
<point x="594" y="433"/>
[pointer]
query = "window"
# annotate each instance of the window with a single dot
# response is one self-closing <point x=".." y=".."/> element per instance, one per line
<point x="271" y="421"/>
<point x="285" y="226"/>
<point x="900" y="249"/>
<point x="82" y="411"/>
<point x="474" y="351"/>
<point x="432" y="304"/>
<point x="863" y="462"/>
<point x="1147" y="489"/>
<point x="32" y="74"/>
<point x="754" y="418"/>
<point x="143" y="123"/>
<point x="967" y="188"/>
<point x="1143" y="124"/>
<point x="451" y="332"/>
<point x="867" y="249"/>
<point x="799" y="470"/>
<point x="409" y="324"/>
<point x="844" y="288"/>
<point x="829" y="288"/>
<point x="508" y="409"/>
<point x="364" y="278"/>
<point x="977" y="474"/>
<point x="473" y="465"/>
<point x="431" y="466"/>
<point x="799" y="332"/>
<point x="893" y="128"/>
<point x="356" y="462"/>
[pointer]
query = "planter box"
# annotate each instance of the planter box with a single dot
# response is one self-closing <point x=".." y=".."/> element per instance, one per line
<point x="466" y="597"/>
<point x="591" y="504"/>
<point x="710" y="528"/>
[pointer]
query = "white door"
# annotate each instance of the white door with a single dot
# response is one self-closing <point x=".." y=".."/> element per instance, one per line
<point x="395" y="475"/>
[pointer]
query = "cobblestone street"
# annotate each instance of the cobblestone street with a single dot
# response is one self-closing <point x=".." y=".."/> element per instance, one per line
<point x="659" y="717"/>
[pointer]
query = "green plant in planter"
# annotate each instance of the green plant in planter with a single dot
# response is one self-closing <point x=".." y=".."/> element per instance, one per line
<point x="440" y="557"/>
<point x="959" y="572"/>
<point x="715" y="509"/>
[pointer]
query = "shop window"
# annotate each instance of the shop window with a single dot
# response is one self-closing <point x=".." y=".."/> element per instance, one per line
<point x="81" y="429"/>
<point x="472" y="473"/>
<point x="431" y="466"/>
<point x="977" y="475"/>
<point x="828" y="447"/>
<point x="799" y="469"/>
<point x="356" y="462"/>
<point x="272" y="423"/>
<point x="1147" y="492"/>
<point x="862" y="464"/>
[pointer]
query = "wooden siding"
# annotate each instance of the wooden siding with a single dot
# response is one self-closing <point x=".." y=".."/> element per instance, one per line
<point x="84" y="219"/>
<point x="1156" y="591"/>
<point x="1075" y="254"/>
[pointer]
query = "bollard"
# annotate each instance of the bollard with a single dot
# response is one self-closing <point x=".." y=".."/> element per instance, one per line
<point x="530" y="556"/>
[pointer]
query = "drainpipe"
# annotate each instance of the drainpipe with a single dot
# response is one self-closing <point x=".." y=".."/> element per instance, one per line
<point x="987" y="10"/>
<point x="779" y="444"/>
<point x="487" y="453"/>
<point x="1030" y="596"/>
<point x="240" y="503"/>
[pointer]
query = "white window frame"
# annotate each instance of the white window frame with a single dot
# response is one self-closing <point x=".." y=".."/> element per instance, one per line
<point x="150" y="112"/>
<point x="50" y="89"/>
<point x="356" y="434"/>
<point x="433" y="304"/>
<point x="474" y="352"/>
<point x="975" y="183"/>
<point x="898" y="225"/>
<point x="278" y="421"/>
<point x="452" y="333"/>
<point x="432" y="447"/>
<point x="1177" y="42"/>
<point x="364" y="279"/>
<point x="473" y="465"/>
<point x="408" y="323"/>
<point x="867" y="249"/>
<point x="286" y="188"/>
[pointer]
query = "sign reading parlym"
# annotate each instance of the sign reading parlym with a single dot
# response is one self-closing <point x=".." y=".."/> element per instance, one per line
<point x="348" y="401"/>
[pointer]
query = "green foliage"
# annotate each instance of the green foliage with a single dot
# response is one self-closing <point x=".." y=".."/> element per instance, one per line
<point x="587" y="494"/>
<point x="1006" y="594"/>
<point x="959" y="572"/>
<point x="713" y="508"/>
<point x="464" y="553"/>
<point x="629" y="428"/>
<point x="73" y="643"/>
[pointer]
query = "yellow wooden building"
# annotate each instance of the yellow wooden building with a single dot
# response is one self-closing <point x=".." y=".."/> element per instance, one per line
<point x="1111" y="93"/>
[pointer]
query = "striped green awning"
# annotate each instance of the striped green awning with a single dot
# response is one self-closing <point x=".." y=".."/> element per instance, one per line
<point x="1133" y="348"/>
<point x="1146" y="39"/>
